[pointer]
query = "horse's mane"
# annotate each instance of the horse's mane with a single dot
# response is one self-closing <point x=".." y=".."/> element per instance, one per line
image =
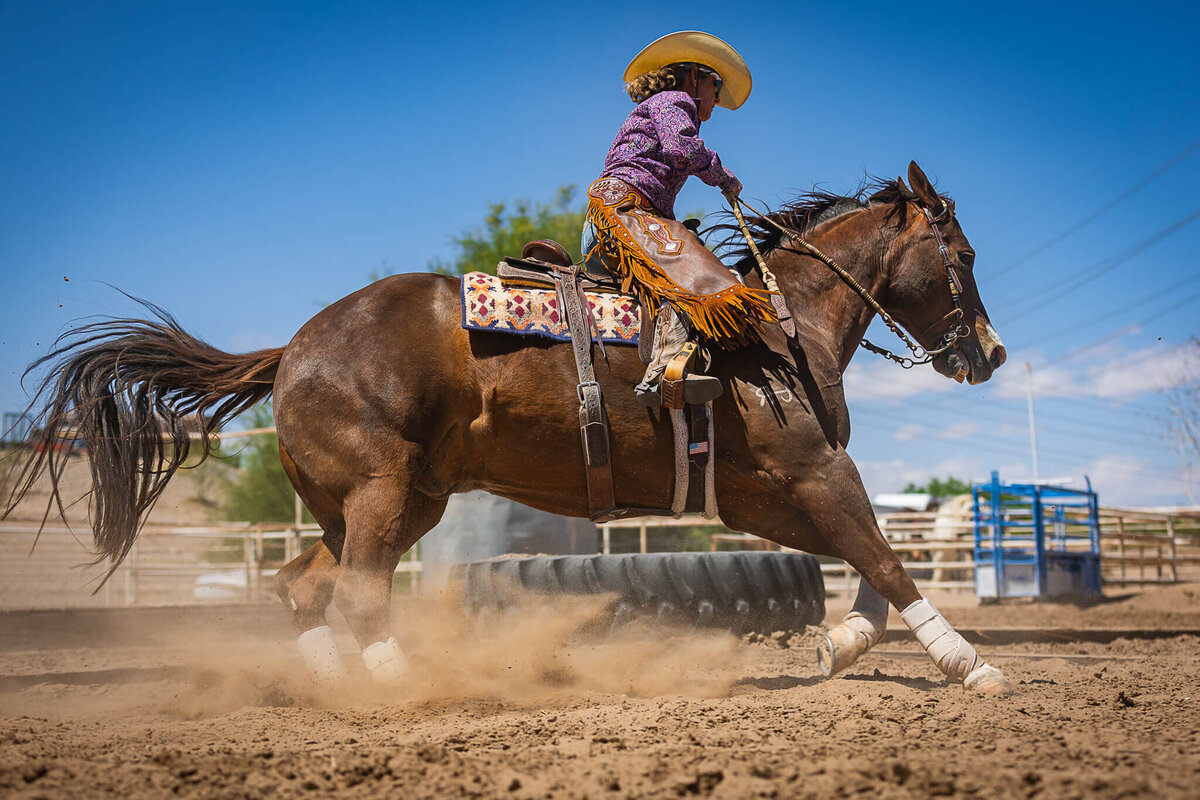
<point x="806" y="212"/>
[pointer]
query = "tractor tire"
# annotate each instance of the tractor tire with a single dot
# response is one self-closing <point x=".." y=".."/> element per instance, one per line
<point x="744" y="591"/>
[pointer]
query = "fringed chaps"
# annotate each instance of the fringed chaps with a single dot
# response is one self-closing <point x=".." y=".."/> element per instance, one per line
<point x="660" y="261"/>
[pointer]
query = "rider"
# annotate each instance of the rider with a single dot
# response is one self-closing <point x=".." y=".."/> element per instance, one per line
<point x="630" y="227"/>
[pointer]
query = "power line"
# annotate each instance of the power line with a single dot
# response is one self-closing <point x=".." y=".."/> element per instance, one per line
<point x="1141" y="184"/>
<point x="1074" y="353"/>
<point x="1011" y="450"/>
<point x="1057" y="432"/>
<point x="1095" y="319"/>
<point x="1007" y="415"/>
<point x="1103" y="267"/>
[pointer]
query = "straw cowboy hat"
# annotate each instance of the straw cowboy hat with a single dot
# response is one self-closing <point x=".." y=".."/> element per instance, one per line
<point x="699" y="48"/>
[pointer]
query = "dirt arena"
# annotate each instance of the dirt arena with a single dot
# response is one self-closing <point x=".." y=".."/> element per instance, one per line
<point x="211" y="703"/>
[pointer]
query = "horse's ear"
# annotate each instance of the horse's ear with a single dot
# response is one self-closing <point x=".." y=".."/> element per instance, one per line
<point x="900" y="183"/>
<point x="922" y="187"/>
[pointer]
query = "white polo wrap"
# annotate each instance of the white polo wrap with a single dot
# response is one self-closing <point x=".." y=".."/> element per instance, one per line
<point x="861" y="630"/>
<point x="948" y="649"/>
<point x="386" y="661"/>
<point x="870" y="629"/>
<point x="869" y="614"/>
<point x="320" y="654"/>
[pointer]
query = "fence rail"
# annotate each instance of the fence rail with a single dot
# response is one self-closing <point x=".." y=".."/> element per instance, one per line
<point x="193" y="564"/>
<point x="168" y="565"/>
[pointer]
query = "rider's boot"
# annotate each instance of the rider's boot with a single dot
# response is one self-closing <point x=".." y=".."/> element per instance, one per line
<point x="670" y="337"/>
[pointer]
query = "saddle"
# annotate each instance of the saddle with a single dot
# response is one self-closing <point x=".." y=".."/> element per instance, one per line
<point x="546" y="264"/>
<point x="539" y="268"/>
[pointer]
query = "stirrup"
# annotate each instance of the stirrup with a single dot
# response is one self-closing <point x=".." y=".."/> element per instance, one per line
<point x="677" y="387"/>
<point x="697" y="389"/>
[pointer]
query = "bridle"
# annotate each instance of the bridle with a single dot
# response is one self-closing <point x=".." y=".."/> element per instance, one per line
<point x="920" y="355"/>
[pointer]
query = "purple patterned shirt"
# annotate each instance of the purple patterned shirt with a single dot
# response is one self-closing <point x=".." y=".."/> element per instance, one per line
<point x="659" y="146"/>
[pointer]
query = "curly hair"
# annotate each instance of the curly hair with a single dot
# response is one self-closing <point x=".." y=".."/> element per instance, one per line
<point x="649" y="84"/>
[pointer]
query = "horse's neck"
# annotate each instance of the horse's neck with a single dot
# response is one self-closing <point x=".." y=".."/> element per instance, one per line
<point x="826" y="309"/>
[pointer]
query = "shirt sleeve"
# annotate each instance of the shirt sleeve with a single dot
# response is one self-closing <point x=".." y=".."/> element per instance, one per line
<point x="677" y="122"/>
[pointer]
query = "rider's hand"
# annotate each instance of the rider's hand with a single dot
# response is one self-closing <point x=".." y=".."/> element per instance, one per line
<point x="734" y="191"/>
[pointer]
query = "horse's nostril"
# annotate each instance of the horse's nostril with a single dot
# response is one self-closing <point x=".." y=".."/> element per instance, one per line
<point x="999" y="356"/>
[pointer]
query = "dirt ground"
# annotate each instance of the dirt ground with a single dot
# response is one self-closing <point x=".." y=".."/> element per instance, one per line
<point x="534" y="703"/>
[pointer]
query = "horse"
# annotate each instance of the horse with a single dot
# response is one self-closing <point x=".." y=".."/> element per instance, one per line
<point x="385" y="407"/>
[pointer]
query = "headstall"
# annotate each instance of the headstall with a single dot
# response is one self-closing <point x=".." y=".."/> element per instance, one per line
<point x="920" y="355"/>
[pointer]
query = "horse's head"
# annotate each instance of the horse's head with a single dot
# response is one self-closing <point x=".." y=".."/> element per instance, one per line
<point x="931" y="286"/>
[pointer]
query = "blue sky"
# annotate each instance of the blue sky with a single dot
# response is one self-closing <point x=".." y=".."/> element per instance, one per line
<point x="241" y="163"/>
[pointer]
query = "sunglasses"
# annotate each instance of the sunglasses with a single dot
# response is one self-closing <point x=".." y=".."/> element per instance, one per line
<point x="703" y="70"/>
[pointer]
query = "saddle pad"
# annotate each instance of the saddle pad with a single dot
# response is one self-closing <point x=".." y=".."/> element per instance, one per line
<point x="489" y="305"/>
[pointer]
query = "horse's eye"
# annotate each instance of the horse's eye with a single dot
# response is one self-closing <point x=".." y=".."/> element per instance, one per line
<point x="966" y="258"/>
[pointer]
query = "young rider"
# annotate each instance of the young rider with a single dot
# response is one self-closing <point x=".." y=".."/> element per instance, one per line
<point x="630" y="226"/>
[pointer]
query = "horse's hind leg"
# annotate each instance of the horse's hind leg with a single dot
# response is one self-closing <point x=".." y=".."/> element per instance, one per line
<point x="383" y="520"/>
<point x="305" y="586"/>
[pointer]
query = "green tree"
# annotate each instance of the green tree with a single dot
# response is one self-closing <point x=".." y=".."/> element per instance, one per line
<point x="259" y="490"/>
<point x="506" y="229"/>
<point x="939" y="488"/>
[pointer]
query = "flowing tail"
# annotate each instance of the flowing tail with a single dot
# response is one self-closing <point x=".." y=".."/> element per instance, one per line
<point x="135" y="393"/>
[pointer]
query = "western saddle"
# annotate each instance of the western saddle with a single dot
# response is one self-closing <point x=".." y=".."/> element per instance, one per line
<point x="546" y="264"/>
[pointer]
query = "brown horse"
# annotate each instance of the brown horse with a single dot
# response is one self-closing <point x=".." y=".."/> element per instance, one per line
<point x="385" y="407"/>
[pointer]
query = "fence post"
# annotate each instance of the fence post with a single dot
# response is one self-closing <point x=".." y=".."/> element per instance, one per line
<point x="1174" y="555"/>
<point x="258" y="560"/>
<point x="606" y="541"/>
<point x="248" y="558"/>
<point x="642" y="538"/>
<point x="1121" y="545"/>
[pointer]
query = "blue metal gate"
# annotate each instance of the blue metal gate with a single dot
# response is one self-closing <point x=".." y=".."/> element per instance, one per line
<point x="1033" y="540"/>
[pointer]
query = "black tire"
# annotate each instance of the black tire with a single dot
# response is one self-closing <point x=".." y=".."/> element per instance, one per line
<point x="762" y="591"/>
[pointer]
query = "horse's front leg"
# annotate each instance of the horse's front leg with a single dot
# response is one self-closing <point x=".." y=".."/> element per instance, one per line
<point x="857" y="633"/>
<point x="834" y="509"/>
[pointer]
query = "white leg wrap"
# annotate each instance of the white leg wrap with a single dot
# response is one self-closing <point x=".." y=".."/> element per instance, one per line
<point x="320" y="654"/>
<point x="861" y="630"/>
<point x="949" y="650"/>
<point x="386" y="661"/>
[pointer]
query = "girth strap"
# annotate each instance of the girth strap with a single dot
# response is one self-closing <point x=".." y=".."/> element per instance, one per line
<point x="593" y="425"/>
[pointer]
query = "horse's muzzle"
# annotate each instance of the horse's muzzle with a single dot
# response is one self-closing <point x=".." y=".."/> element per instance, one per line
<point x="984" y="353"/>
<point x="951" y="364"/>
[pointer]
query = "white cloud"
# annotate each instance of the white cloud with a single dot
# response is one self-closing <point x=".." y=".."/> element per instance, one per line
<point x="959" y="430"/>
<point x="1111" y="373"/>
<point x="890" y="476"/>
<point x="1125" y="480"/>
<point x="880" y="380"/>
<point x="1119" y="480"/>
<point x="908" y="432"/>
<point x="1115" y="377"/>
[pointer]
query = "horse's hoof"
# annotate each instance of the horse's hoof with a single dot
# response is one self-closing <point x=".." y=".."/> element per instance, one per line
<point x="986" y="679"/>
<point x="841" y="648"/>
<point x="321" y="656"/>
<point x="386" y="662"/>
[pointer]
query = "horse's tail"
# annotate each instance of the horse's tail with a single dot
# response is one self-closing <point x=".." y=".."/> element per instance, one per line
<point x="135" y="393"/>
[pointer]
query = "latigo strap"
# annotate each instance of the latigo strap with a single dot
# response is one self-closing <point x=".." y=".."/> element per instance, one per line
<point x="593" y="426"/>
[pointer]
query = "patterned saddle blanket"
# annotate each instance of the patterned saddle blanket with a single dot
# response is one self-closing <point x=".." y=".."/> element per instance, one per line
<point x="489" y="305"/>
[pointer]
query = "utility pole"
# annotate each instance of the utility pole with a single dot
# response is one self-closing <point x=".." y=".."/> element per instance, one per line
<point x="1032" y="423"/>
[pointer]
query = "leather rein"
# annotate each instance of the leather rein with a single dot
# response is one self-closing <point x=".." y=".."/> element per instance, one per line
<point x="920" y="355"/>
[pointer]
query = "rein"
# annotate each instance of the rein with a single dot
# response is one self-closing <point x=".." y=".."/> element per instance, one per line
<point x="920" y="355"/>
